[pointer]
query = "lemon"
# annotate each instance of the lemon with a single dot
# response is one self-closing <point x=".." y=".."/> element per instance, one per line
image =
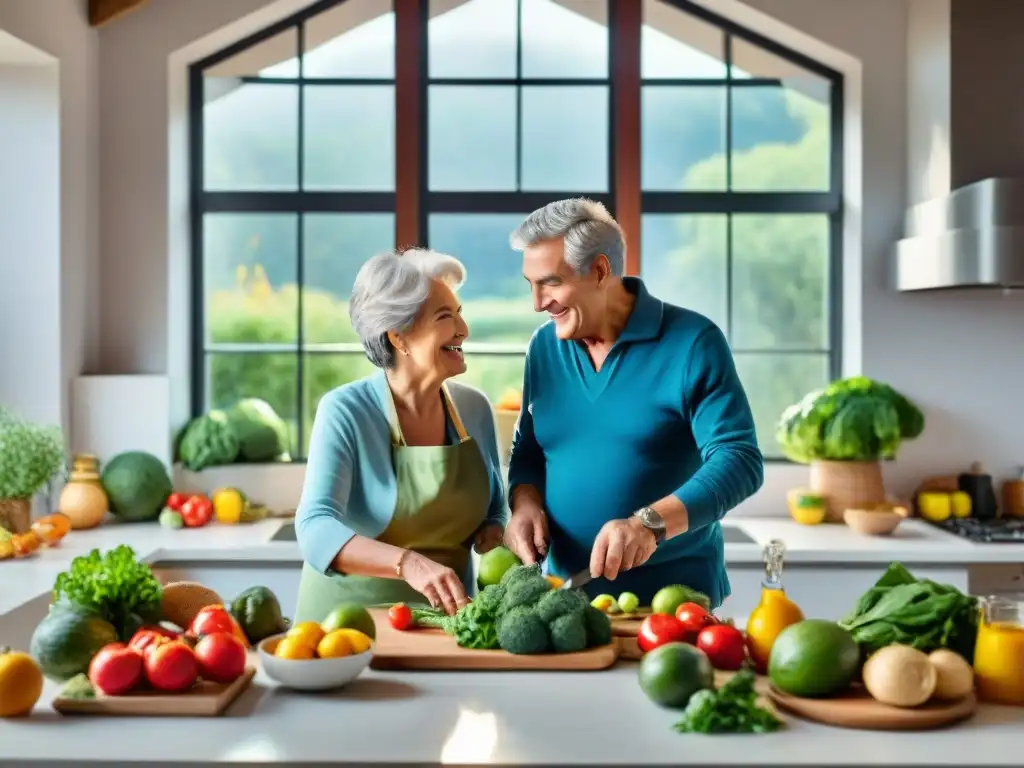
<point x="294" y="647"/>
<point x="308" y="633"/>
<point x="808" y="515"/>
<point x="334" y="645"/>
<point x="359" y="641"/>
<point x="603" y="602"/>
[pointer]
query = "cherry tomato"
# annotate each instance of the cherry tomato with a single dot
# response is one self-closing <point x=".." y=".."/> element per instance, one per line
<point x="221" y="657"/>
<point x="172" y="666"/>
<point x="116" y="669"/>
<point x="197" y="511"/>
<point x="145" y="640"/>
<point x="724" y="645"/>
<point x="694" y="618"/>
<point x="215" y="618"/>
<point x="658" y="629"/>
<point x="176" y="501"/>
<point x="399" y="616"/>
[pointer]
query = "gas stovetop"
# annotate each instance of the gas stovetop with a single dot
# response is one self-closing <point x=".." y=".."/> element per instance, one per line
<point x="1000" y="530"/>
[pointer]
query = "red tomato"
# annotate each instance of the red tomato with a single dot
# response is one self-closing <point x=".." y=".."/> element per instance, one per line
<point x="724" y="645"/>
<point x="116" y="669"/>
<point x="221" y="657"/>
<point x="176" y="501"/>
<point x="399" y="616"/>
<point x="694" y="618"/>
<point x="215" y="618"/>
<point x="146" y="639"/>
<point x="172" y="666"/>
<point x="197" y="511"/>
<point x="658" y="629"/>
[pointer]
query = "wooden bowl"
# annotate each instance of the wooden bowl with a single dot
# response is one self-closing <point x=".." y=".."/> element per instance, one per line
<point x="872" y="522"/>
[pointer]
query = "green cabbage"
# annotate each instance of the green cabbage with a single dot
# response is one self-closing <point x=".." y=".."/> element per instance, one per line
<point x="854" y="419"/>
<point x="262" y="434"/>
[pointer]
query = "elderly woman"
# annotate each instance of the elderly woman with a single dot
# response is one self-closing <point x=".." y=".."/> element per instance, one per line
<point x="403" y="475"/>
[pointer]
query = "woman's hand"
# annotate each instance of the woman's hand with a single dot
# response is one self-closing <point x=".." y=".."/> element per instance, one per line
<point x="436" y="582"/>
<point x="488" y="537"/>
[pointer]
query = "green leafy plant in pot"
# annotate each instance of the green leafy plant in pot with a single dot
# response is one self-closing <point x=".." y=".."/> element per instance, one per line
<point x="844" y="432"/>
<point x="30" y="455"/>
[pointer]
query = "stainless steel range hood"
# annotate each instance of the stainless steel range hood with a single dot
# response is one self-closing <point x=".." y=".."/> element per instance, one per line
<point x="972" y="238"/>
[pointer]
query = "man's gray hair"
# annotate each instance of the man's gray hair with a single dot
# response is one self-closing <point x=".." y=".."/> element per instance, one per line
<point x="389" y="291"/>
<point x="587" y="228"/>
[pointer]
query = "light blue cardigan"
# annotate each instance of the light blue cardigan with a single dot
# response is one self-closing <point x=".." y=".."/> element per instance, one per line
<point x="350" y="486"/>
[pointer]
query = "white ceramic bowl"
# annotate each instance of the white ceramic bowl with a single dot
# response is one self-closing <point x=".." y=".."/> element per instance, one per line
<point x="311" y="674"/>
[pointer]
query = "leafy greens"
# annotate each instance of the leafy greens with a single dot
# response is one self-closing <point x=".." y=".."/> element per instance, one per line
<point x="854" y="419"/>
<point x="115" y="585"/>
<point x="920" y="613"/>
<point x="733" y="708"/>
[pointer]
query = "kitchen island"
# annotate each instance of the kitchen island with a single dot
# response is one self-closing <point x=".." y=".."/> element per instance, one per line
<point x="487" y="718"/>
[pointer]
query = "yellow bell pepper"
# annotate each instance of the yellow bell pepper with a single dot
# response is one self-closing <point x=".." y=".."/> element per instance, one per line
<point x="228" y="505"/>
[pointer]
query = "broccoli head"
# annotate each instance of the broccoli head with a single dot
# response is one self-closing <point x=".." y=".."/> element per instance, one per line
<point x="517" y="572"/>
<point x="598" y="626"/>
<point x="521" y="631"/>
<point x="491" y="597"/>
<point x="524" y="590"/>
<point x="559" y="602"/>
<point x="568" y="633"/>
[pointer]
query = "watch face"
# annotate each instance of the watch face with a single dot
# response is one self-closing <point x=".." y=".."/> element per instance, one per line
<point x="651" y="519"/>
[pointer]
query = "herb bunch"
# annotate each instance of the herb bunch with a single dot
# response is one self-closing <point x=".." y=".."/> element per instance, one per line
<point x="115" y="585"/>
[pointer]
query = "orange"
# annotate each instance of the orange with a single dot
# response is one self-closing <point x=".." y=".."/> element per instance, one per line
<point x="307" y="632"/>
<point x="294" y="647"/>
<point x="359" y="641"/>
<point x="21" y="683"/>
<point x="334" y="645"/>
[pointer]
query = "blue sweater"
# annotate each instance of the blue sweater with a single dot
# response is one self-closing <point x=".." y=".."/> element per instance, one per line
<point x="350" y="486"/>
<point x="666" y="414"/>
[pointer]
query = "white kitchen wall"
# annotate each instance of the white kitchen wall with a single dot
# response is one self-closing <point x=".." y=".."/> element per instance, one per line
<point x="65" y="229"/>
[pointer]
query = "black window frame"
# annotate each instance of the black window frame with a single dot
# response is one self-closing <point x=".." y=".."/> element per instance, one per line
<point x="301" y="202"/>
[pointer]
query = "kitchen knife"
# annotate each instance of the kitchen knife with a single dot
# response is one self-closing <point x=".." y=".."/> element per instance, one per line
<point x="576" y="580"/>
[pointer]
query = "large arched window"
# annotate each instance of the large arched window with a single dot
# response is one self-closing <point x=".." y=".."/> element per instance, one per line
<point x="361" y="125"/>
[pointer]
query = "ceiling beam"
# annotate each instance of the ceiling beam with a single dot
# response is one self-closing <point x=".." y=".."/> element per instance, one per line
<point x="104" y="11"/>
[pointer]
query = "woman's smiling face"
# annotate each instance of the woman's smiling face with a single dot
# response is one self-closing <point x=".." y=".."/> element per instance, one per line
<point x="433" y="346"/>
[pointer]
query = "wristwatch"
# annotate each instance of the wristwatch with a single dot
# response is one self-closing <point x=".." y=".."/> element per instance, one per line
<point x="652" y="521"/>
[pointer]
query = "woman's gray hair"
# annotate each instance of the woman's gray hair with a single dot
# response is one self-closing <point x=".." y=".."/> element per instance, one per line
<point x="587" y="228"/>
<point x="389" y="291"/>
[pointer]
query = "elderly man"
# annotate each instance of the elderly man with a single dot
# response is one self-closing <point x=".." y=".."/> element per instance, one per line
<point x="635" y="435"/>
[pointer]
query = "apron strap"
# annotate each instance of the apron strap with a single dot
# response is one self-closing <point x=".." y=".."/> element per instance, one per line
<point x="396" y="428"/>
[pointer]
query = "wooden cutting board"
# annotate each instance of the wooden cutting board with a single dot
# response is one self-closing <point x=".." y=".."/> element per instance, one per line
<point x="206" y="699"/>
<point x="432" y="649"/>
<point x="859" y="710"/>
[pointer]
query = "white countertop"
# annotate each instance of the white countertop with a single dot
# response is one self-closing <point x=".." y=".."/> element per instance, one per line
<point x="581" y="718"/>
<point x="482" y="718"/>
<point x="914" y="542"/>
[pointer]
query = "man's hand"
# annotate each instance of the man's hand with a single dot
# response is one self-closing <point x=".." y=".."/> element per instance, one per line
<point x="527" y="531"/>
<point x="620" y="545"/>
<point x="487" y="538"/>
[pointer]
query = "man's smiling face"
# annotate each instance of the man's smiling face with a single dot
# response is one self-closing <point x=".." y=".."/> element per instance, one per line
<point x="571" y="300"/>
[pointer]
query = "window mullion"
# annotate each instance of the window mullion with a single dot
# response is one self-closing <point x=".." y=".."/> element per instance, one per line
<point x="625" y="20"/>
<point x="410" y="119"/>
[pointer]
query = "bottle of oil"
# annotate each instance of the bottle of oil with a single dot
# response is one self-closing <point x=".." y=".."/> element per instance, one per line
<point x="774" y="612"/>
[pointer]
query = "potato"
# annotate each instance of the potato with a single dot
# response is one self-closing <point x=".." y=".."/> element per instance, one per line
<point x="900" y="676"/>
<point x="955" y="675"/>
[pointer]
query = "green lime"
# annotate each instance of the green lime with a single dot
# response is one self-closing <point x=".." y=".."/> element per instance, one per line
<point x="667" y="599"/>
<point x="671" y="673"/>
<point x="350" y="616"/>
<point x="493" y="565"/>
<point x="813" y="658"/>
<point x="628" y="602"/>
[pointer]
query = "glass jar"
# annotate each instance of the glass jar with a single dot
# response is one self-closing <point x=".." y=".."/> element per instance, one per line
<point x="999" y="651"/>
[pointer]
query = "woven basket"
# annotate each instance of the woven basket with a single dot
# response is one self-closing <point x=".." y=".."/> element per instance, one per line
<point x="16" y="515"/>
<point x="846" y="485"/>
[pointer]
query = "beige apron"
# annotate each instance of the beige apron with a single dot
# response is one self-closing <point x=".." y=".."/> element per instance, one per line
<point x="442" y="497"/>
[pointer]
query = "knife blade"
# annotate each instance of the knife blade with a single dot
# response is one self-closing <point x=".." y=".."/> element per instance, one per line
<point x="576" y="580"/>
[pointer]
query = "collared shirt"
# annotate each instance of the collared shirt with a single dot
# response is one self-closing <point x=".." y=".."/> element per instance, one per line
<point x="665" y="414"/>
